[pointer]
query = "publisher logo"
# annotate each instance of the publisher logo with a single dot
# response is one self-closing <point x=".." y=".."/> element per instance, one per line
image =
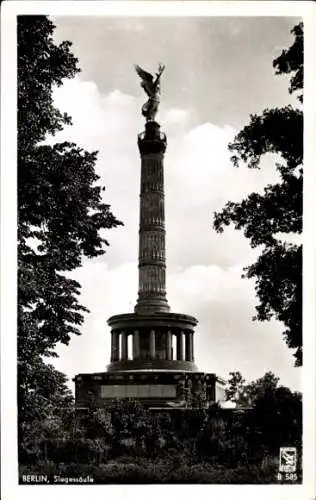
<point x="287" y="462"/>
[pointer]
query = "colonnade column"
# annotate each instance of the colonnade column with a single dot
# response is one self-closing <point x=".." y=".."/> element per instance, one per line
<point x="152" y="344"/>
<point x="189" y="346"/>
<point x="168" y="344"/>
<point x="192" y="346"/>
<point x="124" y="355"/>
<point x="135" y="344"/>
<point x="115" y="345"/>
<point x="119" y="351"/>
<point x="112" y="345"/>
<point x="180" y="346"/>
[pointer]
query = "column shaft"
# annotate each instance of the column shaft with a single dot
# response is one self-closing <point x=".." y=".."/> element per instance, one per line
<point x="116" y="345"/>
<point x="180" y="346"/>
<point x="151" y="259"/>
<point x="152" y="344"/>
<point x="112" y="345"/>
<point x="168" y="344"/>
<point x="187" y="346"/>
<point x="191" y="346"/>
<point x="136" y="344"/>
<point x="124" y="356"/>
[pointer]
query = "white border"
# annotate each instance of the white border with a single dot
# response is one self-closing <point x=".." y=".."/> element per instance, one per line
<point x="10" y="489"/>
<point x="309" y="257"/>
<point x="161" y="8"/>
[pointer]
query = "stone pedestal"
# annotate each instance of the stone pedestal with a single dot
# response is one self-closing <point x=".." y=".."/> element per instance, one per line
<point x="156" y="389"/>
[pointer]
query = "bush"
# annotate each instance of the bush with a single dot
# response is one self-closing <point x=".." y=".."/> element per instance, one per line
<point x="213" y="446"/>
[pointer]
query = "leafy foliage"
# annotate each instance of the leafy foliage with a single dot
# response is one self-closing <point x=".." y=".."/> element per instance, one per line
<point x="244" y="393"/>
<point x="265" y="218"/>
<point x="236" y="388"/>
<point x="60" y="206"/>
<point x="60" y="214"/>
<point x="276" y="416"/>
<point x="292" y="61"/>
<point x="262" y="386"/>
<point x="46" y="407"/>
<point x="276" y="419"/>
<point x="125" y="442"/>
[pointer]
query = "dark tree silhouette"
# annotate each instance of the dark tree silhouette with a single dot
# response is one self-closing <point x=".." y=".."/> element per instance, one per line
<point x="60" y="214"/>
<point x="264" y="217"/>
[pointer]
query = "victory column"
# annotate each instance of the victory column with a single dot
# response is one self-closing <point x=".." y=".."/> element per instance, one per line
<point x="153" y="372"/>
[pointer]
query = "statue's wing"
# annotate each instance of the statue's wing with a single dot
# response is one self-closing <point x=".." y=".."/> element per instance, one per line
<point x="143" y="74"/>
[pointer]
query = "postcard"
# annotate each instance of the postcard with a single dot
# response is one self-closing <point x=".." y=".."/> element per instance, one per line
<point x="158" y="288"/>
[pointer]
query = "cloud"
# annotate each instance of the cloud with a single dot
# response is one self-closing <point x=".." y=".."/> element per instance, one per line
<point x="175" y="116"/>
<point x="95" y="117"/>
<point x="209" y="284"/>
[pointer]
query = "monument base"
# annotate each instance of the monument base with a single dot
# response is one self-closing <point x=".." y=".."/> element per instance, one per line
<point x="152" y="388"/>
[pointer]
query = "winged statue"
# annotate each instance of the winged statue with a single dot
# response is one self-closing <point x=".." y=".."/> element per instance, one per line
<point x="151" y="86"/>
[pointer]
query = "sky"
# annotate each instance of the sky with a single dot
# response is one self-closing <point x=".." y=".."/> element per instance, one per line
<point x="218" y="71"/>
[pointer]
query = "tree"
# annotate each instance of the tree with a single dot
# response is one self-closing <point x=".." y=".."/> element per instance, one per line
<point x="275" y="419"/>
<point x="247" y="393"/>
<point x="274" y="416"/>
<point x="46" y="408"/>
<point x="236" y="388"/>
<point x="60" y="206"/>
<point x="264" y="385"/>
<point x="266" y="218"/>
